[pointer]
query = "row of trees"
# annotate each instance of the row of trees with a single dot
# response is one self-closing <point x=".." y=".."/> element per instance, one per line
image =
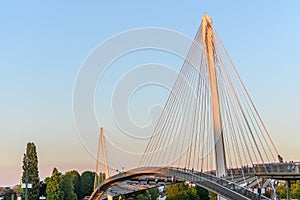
<point x="73" y="186"/>
<point x="68" y="186"/>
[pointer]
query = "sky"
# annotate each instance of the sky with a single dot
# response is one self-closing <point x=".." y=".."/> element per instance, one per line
<point x="44" y="44"/>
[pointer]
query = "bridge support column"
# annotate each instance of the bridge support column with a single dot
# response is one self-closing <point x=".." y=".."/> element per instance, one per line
<point x="104" y="152"/>
<point x="288" y="190"/>
<point x="209" y="46"/>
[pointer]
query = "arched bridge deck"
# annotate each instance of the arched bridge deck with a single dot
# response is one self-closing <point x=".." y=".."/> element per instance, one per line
<point x="221" y="186"/>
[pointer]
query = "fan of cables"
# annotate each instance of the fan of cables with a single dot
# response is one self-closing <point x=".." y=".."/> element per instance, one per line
<point x="184" y="135"/>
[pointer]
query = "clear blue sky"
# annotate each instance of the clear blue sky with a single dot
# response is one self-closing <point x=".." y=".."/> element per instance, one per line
<point x="43" y="44"/>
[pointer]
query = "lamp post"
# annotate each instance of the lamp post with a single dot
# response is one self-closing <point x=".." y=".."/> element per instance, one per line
<point x="27" y="161"/>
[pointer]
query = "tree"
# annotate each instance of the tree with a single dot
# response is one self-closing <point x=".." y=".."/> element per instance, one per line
<point x="142" y="197"/>
<point x="68" y="187"/>
<point x="43" y="186"/>
<point x="181" y="191"/>
<point x="281" y="189"/>
<point x="30" y="163"/>
<point x="153" y="193"/>
<point x="18" y="189"/>
<point x="9" y="194"/>
<point x="46" y="180"/>
<point x="150" y="194"/>
<point x="295" y="190"/>
<point x="87" y="183"/>
<point x="175" y="190"/>
<point x="213" y="196"/>
<point x="202" y="193"/>
<point x="53" y="189"/>
<point x="75" y="176"/>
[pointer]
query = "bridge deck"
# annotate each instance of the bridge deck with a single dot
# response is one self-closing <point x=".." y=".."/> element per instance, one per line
<point x="221" y="186"/>
<point x="280" y="175"/>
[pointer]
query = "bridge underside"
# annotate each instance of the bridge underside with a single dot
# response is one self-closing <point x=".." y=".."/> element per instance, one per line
<point x="125" y="183"/>
<point x="280" y="176"/>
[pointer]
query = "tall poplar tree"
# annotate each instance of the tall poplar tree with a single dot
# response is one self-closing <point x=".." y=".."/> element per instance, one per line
<point x="30" y="163"/>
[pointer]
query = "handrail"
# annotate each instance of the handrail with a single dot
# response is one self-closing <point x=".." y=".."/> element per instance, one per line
<point x="221" y="182"/>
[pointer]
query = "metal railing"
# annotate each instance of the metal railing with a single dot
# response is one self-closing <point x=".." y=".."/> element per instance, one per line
<point x="221" y="186"/>
<point x="284" y="167"/>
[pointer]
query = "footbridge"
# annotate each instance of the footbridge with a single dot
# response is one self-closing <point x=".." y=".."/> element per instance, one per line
<point x="221" y="186"/>
<point x="209" y="132"/>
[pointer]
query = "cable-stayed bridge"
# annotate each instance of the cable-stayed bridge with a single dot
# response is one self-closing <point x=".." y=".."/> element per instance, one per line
<point x="209" y="132"/>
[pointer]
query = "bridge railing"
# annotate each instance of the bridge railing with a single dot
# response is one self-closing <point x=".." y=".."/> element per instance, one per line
<point x="284" y="167"/>
<point x="190" y="175"/>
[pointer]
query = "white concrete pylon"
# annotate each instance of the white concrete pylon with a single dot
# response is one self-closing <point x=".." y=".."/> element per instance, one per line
<point x="209" y="49"/>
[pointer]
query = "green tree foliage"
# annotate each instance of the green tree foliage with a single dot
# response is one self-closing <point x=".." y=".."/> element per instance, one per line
<point x="67" y="187"/>
<point x="30" y="162"/>
<point x="142" y="197"/>
<point x="9" y="194"/>
<point x="86" y="183"/>
<point x="213" y="196"/>
<point x="202" y="193"/>
<point x="53" y="189"/>
<point x="153" y="193"/>
<point x="281" y="189"/>
<point x="75" y="176"/>
<point x="150" y="194"/>
<point x="18" y="189"/>
<point x="46" y="180"/>
<point x="295" y="190"/>
<point x="181" y="191"/>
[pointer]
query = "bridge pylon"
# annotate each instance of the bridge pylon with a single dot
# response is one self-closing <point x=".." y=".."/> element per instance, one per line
<point x="209" y="47"/>
<point x="99" y="162"/>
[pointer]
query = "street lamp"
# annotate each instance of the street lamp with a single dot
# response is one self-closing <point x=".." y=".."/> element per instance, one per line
<point x="27" y="162"/>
